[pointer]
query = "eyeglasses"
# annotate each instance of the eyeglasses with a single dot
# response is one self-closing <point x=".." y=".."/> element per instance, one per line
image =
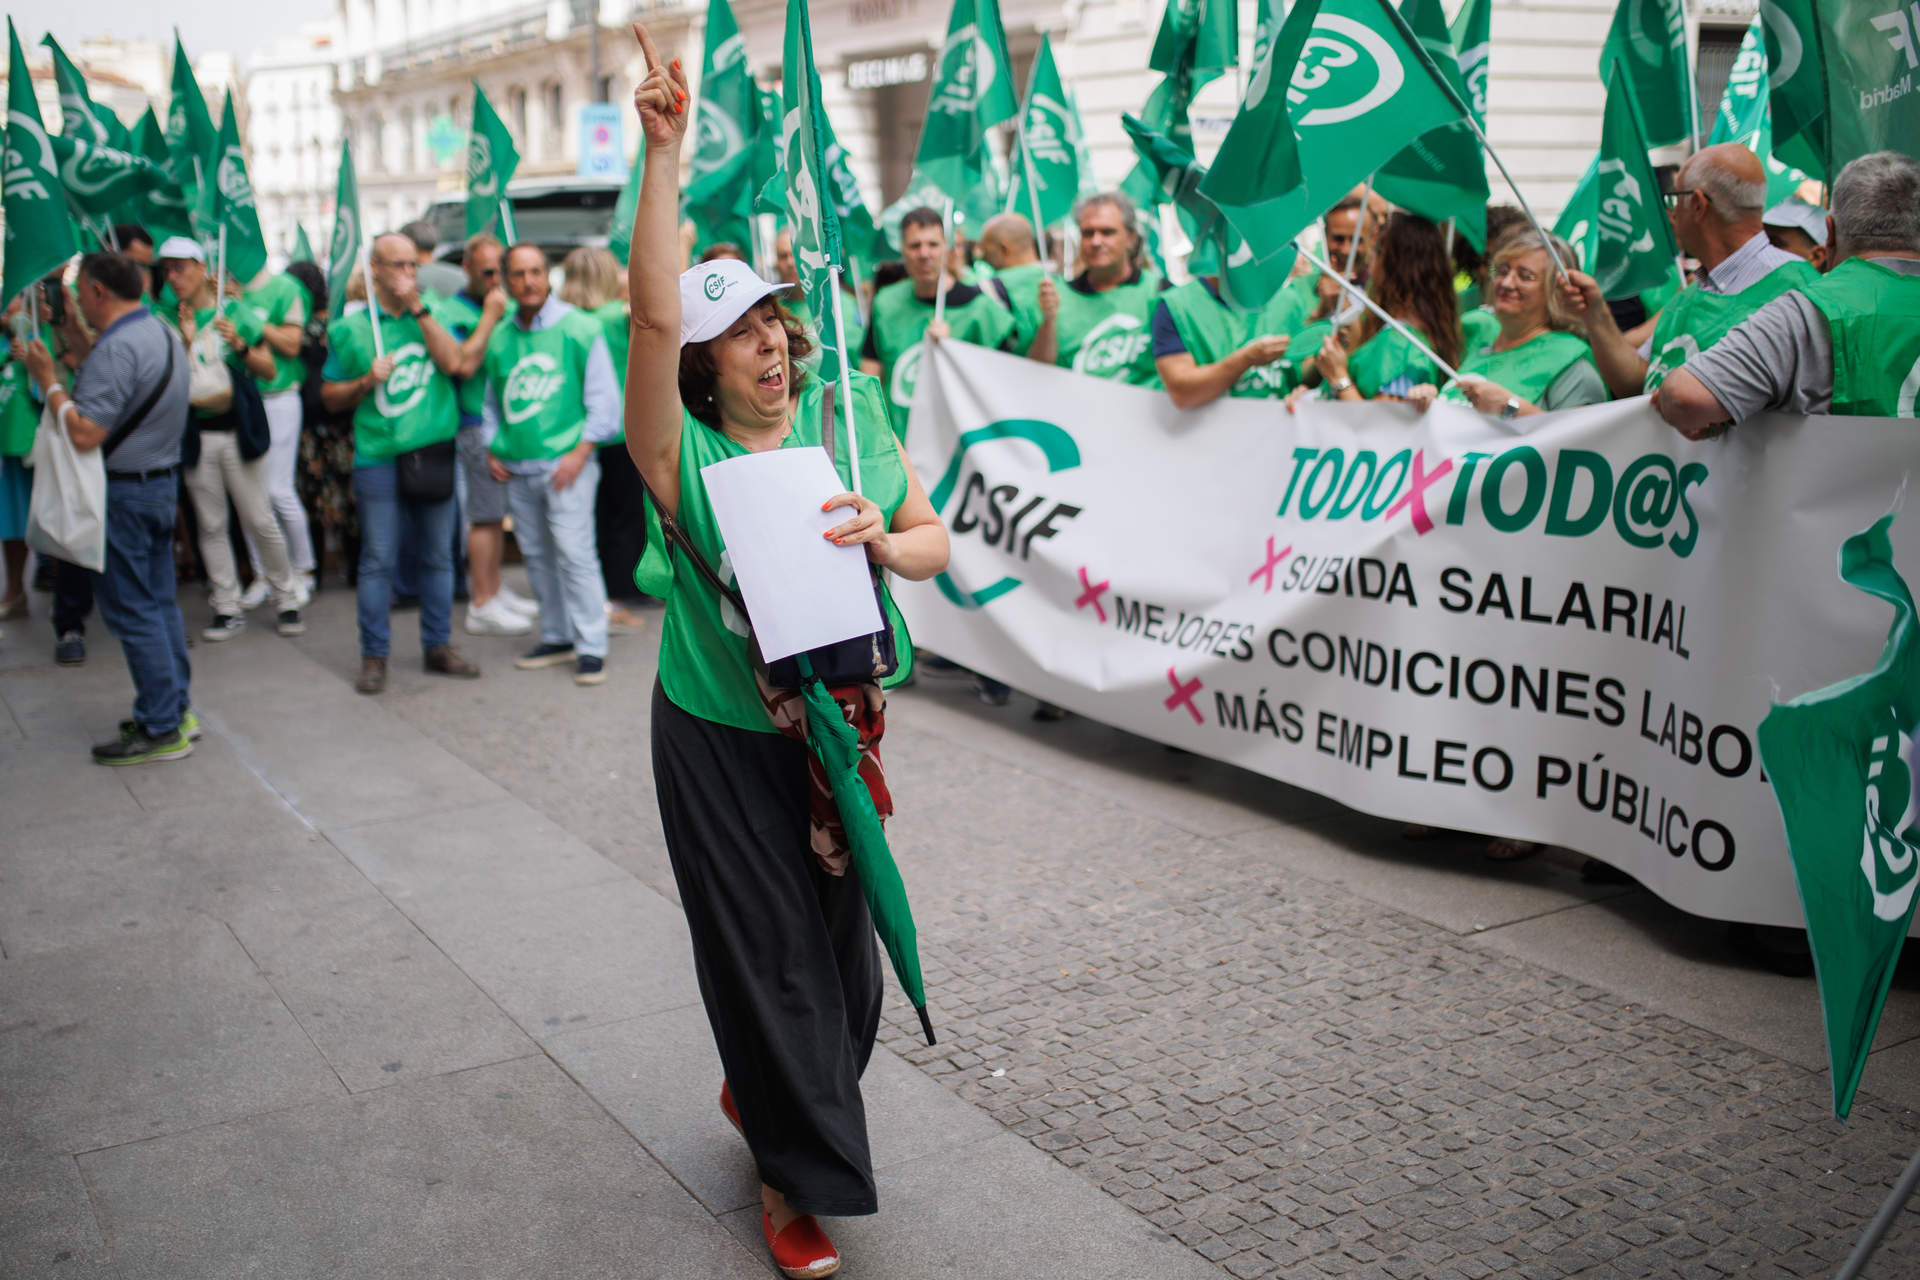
<point x="403" y="265"/>
<point x="1674" y="199"/>
<point x="489" y="274"/>
<point x="1525" y="275"/>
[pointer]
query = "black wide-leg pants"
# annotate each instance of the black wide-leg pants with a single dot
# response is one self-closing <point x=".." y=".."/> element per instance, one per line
<point x="788" y="964"/>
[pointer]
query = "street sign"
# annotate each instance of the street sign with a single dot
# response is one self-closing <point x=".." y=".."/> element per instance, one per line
<point x="602" y="148"/>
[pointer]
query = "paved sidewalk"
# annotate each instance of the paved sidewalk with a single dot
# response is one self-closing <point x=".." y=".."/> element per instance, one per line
<point x="397" y="987"/>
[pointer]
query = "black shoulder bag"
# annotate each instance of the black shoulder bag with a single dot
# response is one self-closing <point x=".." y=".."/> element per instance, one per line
<point x="855" y="660"/>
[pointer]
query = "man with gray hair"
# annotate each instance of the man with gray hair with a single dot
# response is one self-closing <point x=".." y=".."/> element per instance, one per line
<point x="1715" y="207"/>
<point x="1847" y="343"/>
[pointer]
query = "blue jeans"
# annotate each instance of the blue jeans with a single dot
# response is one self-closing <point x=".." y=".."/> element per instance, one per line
<point x="136" y="597"/>
<point x="406" y="567"/>
<point x="376" y="489"/>
<point x="555" y="533"/>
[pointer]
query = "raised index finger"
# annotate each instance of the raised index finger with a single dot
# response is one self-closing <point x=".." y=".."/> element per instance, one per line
<point x="647" y="51"/>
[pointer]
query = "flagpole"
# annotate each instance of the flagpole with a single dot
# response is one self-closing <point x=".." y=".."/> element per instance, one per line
<point x="1532" y="219"/>
<point x="1693" y="92"/>
<point x="1033" y="198"/>
<point x="1359" y="231"/>
<point x="373" y="299"/>
<point x="846" y="378"/>
<point x="1360" y="296"/>
<point x="220" y="273"/>
<point x="940" y="288"/>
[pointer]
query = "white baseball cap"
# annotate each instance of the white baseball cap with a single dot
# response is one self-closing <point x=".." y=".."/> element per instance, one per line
<point x="1798" y="215"/>
<point x="182" y="247"/>
<point x="715" y="294"/>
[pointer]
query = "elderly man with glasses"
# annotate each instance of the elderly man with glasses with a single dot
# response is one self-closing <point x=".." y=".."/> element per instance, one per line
<point x="405" y="416"/>
<point x="1716" y="206"/>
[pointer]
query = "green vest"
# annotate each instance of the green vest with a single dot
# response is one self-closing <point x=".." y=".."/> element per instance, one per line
<point x="462" y="316"/>
<point x="616" y="322"/>
<point x="416" y="405"/>
<point x="19" y="415"/>
<point x="1213" y="331"/>
<point x="1303" y="345"/>
<point x="1526" y="370"/>
<point x="539" y="381"/>
<point x="246" y="323"/>
<point x="282" y="300"/>
<point x="1695" y="319"/>
<point x="1294" y="302"/>
<point x="1478" y="328"/>
<point x="900" y="321"/>
<point x="706" y="664"/>
<point x="1873" y="314"/>
<point x="1022" y="284"/>
<point x="1387" y="356"/>
<point x="1110" y="335"/>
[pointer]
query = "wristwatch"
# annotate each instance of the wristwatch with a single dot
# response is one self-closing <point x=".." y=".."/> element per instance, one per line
<point x="416" y="313"/>
<point x="1511" y="409"/>
<point x="1340" y="385"/>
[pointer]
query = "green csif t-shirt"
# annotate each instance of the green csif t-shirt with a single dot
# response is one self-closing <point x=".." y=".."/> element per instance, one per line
<point x="1873" y="316"/>
<point x="706" y="663"/>
<point x="1213" y="331"/>
<point x="1526" y="370"/>
<point x="416" y="406"/>
<point x="281" y="301"/>
<point x="19" y="415"/>
<point x="1110" y="334"/>
<point x="540" y="381"/>
<point x="899" y="323"/>
<point x="461" y="314"/>
<point x="1695" y="319"/>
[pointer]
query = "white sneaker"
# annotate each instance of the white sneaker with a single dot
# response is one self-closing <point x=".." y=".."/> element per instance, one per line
<point x="494" y="619"/>
<point x="255" y="595"/>
<point x="304" y="581"/>
<point x="517" y="603"/>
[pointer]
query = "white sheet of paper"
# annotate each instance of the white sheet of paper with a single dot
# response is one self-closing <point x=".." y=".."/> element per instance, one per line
<point x="802" y="590"/>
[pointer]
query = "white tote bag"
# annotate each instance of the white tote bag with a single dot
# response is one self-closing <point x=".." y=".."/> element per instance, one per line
<point x="67" y="516"/>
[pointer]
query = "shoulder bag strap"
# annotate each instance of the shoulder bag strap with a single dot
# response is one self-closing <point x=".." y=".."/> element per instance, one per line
<point x="139" y="416"/>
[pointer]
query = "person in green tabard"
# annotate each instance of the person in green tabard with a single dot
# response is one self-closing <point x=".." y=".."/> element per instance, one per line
<point x="1008" y="245"/>
<point x="782" y="939"/>
<point x="903" y="315"/>
<point x="1101" y="322"/>
<point x="283" y="305"/>
<point x="1535" y="363"/>
<point x="1203" y="349"/>
<point x="19" y="420"/>
<point x="232" y="342"/>
<point x="1409" y="278"/>
<point x="1715" y="207"/>
<point x="1847" y="343"/>
<point x="472" y="313"/>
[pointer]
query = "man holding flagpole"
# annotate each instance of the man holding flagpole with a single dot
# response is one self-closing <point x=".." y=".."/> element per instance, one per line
<point x="1099" y="324"/>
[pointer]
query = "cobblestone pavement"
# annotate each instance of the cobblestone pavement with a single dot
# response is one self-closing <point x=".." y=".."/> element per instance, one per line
<point x="1291" y="1080"/>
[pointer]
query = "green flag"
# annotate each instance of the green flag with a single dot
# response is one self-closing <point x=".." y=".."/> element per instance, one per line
<point x="1472" y="34"/>
<point x="723" y="174"/>
<point x="100" y="179"/>
<point x="1047" y="150"/>
<point x="768" y="177"/>
<point x="1744" y="115"/>
<point x="858" y="231"/>
<point x="1441" y="174"/>
<point x="1841" y="760"/>
<point x="1648" y="43"/>
<point x="343" y="250"/>
<point x="1633" y="244"/>
<point x="1082" y="149"/>
<point x="234" y="216"/>
<point x="1579" y="222"/>
<point x="491" y="162"/>
<point x="1344" y="89"/>
<point x="1247" y="281"/>
<point x="190" y="131"/>
<point x="38" y="235"/>
<point x="80" y="116"/>
<point x="920" y="192"/>
<point x="1796" y="84"/>
<point x="164" y="210"/>
<point x="1870" y="52"/>
<point x="972" y="92"/>
<point x="302" y="248"/>
<point x="810" y="207"/>
<point x="620" y="234"/>
<point x="1203" y="35"/>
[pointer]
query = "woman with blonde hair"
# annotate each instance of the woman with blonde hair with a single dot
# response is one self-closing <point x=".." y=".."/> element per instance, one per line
<point x="1538" y="361"/>
<point x="591" y="279"/>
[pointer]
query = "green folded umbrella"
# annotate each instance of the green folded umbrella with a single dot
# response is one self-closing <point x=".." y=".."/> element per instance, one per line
<point x="835" y="744"/>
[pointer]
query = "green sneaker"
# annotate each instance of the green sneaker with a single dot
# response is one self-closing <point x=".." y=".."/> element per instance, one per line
<point x="139" y="747"/>
<point x="189" y="725"/>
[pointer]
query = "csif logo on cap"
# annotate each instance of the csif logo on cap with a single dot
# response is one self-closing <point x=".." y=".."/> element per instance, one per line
<point x="716" y="287"/>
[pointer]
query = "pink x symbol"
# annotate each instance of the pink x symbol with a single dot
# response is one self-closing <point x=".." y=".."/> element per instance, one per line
<point x="1092" y="594"/>
<point x="1273" y="562"/>
<point x="1416" y="494"/>
<point x="1182" y="695"/>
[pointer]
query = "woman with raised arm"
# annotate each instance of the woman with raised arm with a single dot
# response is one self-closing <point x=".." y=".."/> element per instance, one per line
<point x="783" y="946"/>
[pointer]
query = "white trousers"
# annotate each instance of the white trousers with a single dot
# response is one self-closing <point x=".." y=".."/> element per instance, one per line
<point x="221" y="472"/>
<point x="283" y="481"/>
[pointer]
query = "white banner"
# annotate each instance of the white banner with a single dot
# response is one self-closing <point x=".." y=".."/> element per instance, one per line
<point x="1565" y="628"/>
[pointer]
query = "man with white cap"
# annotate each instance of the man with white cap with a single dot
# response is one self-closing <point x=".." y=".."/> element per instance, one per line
<point x="1800" y="229"/>
<point x="1715" y="209"/>
<point x="551" y="401"/>
<point x="217" y="341"/>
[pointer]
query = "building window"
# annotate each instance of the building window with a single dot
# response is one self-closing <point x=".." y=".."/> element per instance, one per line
<point x="556" y="119"/>
<point x="517" y="111"/>
<point x="1714" y="66"/>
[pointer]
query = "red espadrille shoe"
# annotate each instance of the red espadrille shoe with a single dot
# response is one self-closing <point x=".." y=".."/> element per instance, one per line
<point x="802" y="1251"/>
<point x="727" y="1109"/>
